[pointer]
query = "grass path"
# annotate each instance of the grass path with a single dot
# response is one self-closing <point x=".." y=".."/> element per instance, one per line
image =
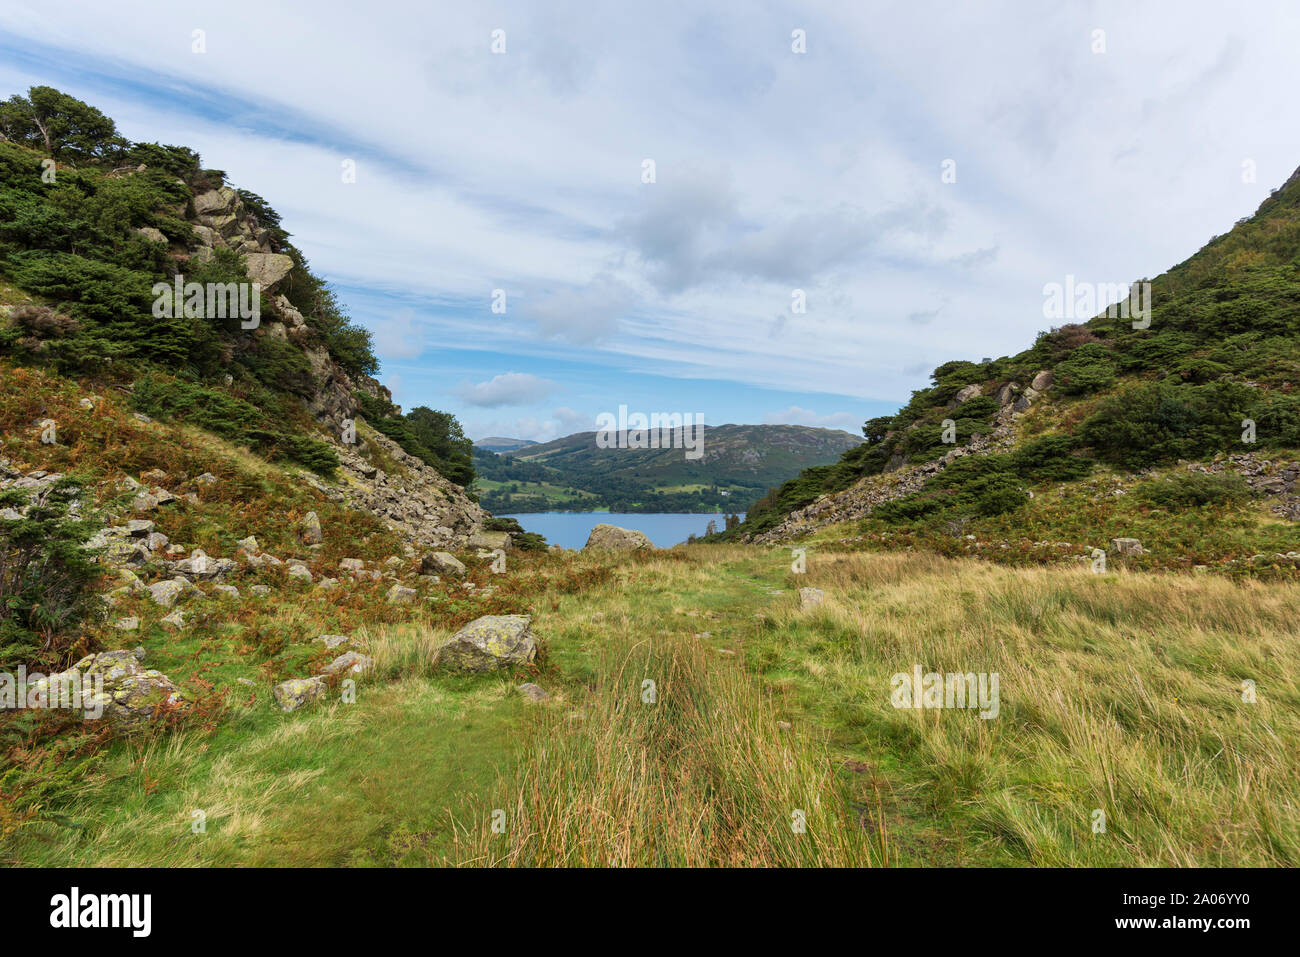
<point x="766" y="737"/>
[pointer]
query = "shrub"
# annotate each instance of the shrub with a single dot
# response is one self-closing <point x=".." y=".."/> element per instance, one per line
<point x="47" y="576"/>
<point x="1194" y="490"/>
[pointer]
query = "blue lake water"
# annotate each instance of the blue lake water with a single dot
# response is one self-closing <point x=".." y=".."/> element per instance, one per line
<point x="570" y="529"/>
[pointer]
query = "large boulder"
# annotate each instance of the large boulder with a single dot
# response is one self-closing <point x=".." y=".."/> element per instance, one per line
<point x="490" y="643"/>
<point x="611" y="538"/>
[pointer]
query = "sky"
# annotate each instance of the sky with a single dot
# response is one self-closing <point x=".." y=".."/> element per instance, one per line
<point x="649" y="192"/>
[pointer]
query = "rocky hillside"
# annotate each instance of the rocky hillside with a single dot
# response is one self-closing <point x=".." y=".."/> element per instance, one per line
<point x="91" y="243"/>
<point x="1204" y="384"/>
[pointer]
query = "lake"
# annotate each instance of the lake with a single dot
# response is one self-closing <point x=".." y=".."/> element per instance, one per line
<point x="570" y="529"/>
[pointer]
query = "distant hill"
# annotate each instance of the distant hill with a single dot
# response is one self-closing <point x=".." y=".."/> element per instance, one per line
<point x="738" y="465"/>
<point x="495" y="443"/>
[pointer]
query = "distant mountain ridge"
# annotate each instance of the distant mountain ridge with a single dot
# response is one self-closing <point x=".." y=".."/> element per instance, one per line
<point x="496" y="443"/>
<point x="738" y="464"/>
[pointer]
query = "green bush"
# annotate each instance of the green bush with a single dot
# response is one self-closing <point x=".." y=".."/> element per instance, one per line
<point x="47" y="576"/>
<point x="1194" y="490"/>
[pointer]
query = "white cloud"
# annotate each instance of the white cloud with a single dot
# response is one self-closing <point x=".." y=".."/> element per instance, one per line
<point x="509" y="388"/>
<point x="848" y="421"/>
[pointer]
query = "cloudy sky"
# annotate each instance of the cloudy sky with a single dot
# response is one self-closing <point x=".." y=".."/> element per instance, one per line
<point x="1106" y="141"/>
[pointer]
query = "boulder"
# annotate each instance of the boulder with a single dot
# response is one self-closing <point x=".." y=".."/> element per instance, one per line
<point x="442" y="563"/>
<point x="310" y="531"/>
<point x="966" y="394"/>
<point x="173" y="622"/>
<point x="293" y="694"/>
<point x="1042" y="381"/>
<point x="490" y="541"/>
<point x="400" y="595"/>
<point x="168" y="593"/>
<point x="533" y="692"/>
<point x="115" y="684"/>
<point x="301" y="572"/>
<point x="1008" y="392"/>
<point x="152" y="234"/>
<point x="611" y="538"/>
<point x="350" y="662"/>
<point x="267" y="268"/>
<point x="1126" y="546"/>
<point x="489" y="643"/>
<point x="811" y="596"/>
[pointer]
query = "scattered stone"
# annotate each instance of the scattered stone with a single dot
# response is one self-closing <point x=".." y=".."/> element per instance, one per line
<point x="261" y="591"/>
<point x="350" y="662"/>
<point x="293" y="694"/>
<point x="301" y="572"/>
<point x="490" y="643"/>
<point x="784" y="725"/>
<point x="141" y="417"/>
<point x="533" y="692"/>
<point x="810" y="596"/>
<point x="131" y="697"/>
<point x="230" y="591"/>
<point x="1126" y="546"/>
<point x="491" y="540"/>
<point x="352" y="564"/>
<point x="168" y="593"/>
<point x="400" y="595"/>
<point x="173" y="622"/>
<point x="127" y="624"/>
<point x="207" y="478"/>
<point x="336" y="641"/>
<point x="442" y="563"/>
<point x="248" y="545"/>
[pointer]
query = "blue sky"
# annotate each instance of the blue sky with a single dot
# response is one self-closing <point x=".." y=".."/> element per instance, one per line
<point x="775" y="171"/>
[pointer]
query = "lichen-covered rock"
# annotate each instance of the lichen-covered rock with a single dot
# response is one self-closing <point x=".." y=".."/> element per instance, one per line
<point x="114" y="686"/>
<point x="310" y="530"/>
<point x="533" y="692"/>
<point x="400" y="595"/>
<point x="293" y="694"/>
<point x="168" y="593"/>
<point x="490" y="643"/>
<point x="611" y="538"/>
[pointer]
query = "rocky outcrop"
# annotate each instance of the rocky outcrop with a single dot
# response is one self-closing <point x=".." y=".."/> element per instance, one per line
<point x="611" y="538"/>
<point x="426" y="509"/>
<point x="900" y="481"/>
<point x="114" y="685"/>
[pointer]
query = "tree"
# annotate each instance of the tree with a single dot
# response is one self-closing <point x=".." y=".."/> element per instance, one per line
<point x="65" y="126"/>
<point x="441" y="434"/>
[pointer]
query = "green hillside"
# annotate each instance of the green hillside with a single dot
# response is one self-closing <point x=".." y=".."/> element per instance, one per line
<point x="1214" y="374"/>
<point x="739" y="463"/>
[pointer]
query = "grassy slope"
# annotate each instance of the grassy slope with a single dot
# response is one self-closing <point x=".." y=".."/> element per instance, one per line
<point x="1120" y="692"/>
